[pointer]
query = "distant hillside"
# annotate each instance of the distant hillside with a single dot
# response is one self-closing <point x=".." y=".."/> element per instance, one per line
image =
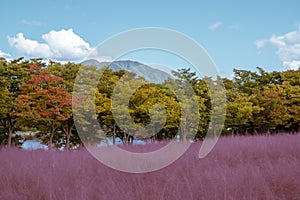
<point x="150" y="74"/>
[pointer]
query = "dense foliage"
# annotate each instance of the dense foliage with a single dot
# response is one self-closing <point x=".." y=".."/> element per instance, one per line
<point x="38" y="97"/>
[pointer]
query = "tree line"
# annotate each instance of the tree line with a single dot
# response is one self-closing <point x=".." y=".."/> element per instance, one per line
<point x="37" y="96"/>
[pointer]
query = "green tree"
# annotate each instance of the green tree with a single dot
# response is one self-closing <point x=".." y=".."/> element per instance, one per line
<point x="103" y="95"/>
<point x="273" y="109"/>
<point x="12" y="75"/>
<point x="291" y="86"/>
<point x="240" y="112"/>
<point x="192" y="87"/>
<point x="68" y="72"/>
<point x="152" y="104"/>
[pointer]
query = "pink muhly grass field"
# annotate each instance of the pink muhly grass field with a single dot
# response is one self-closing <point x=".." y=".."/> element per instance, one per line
<point x="250" y="167"/>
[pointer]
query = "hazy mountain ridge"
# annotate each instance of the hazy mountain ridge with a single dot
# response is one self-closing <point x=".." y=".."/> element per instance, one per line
<point x="150" y="74"/>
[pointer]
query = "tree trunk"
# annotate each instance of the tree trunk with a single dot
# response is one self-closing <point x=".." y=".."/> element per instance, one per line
<point x="51" y="137"/>
<point x="67" y="127"/>
<point x="181" y="133"/>
<point x="10" y="132"/>
<point x="255" y="131"/>
<point x="68" y="141"/>
<point x="9" y="125"/>
<point x="50" y="140"/>
<point x="153" y="138"/>
<point x="184" y="137"/>
<point x="114" y="133"/>
<point x="124" y="138"/>
<point x="153" y="133"/>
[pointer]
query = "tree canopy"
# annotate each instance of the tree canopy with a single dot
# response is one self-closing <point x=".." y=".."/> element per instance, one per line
<point x="38" y="96"/>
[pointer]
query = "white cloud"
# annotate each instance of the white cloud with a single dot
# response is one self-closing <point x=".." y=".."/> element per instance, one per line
<point x="31" y="23"/>
<point x="4" y="55"/>
<point x="104" y="59"/>
<point x="58" y="45"/>
<point x="294" y="65"/>
<point x="260" y="43"/>
<point x="288" y="48"/>
<point x="94" y="54"/>
<point x="215" y="26"/>
<point x="29" y="47"/>
<point x="66" y="44"/>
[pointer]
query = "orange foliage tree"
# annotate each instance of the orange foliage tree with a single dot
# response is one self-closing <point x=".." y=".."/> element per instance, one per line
<point x="44" y="101"/>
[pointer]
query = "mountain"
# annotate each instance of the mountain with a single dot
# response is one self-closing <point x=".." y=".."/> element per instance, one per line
<point x="150" y="74"/>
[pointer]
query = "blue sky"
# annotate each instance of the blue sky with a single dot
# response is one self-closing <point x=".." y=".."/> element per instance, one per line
<point x="236" y="34"/>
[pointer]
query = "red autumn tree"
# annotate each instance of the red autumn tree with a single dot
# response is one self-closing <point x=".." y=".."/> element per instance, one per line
<point x="44" y="101"/>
